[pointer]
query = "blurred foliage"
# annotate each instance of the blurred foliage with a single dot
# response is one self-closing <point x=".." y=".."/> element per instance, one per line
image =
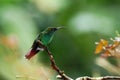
<point x="84" y="21"/>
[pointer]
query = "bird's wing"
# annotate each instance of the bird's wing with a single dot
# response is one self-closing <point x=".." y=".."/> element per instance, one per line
<point x="38" y="37"/>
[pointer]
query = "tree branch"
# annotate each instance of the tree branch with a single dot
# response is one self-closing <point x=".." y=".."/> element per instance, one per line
<point x="99" y="78"/>
<point x="61" y="75"/>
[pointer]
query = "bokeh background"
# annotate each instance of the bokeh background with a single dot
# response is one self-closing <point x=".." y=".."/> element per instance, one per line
<point x="84" y="21"/>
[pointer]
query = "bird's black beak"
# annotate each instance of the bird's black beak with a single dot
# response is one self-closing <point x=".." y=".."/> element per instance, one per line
<point x="59" y="28"/>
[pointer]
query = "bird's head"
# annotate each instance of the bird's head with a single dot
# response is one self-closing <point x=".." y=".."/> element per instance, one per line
<point x="53" y="29"/>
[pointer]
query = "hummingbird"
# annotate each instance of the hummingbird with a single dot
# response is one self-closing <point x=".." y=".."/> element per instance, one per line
<point x="44" y="38"/>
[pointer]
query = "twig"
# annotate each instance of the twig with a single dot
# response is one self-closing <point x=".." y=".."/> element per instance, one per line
<point x="99" y="78"/>
<point x="55" y="67"/>
<point x="63" y="76"/>
<point x="53" y="64"/>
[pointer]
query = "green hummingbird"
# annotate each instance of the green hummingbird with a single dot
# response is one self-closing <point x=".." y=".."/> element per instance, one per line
<point x="45" y="38"/>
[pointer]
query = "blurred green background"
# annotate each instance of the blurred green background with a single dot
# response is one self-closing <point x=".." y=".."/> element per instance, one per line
<point x="84" y="21"/>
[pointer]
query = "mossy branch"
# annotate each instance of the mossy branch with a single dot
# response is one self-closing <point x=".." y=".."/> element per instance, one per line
<point x="61" y="73"/>
<point x="63" y="76"/>
<point x="99" y="78"/>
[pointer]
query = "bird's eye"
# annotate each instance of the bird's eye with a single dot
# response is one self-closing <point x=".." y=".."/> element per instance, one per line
<point x="55" y="29"/>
